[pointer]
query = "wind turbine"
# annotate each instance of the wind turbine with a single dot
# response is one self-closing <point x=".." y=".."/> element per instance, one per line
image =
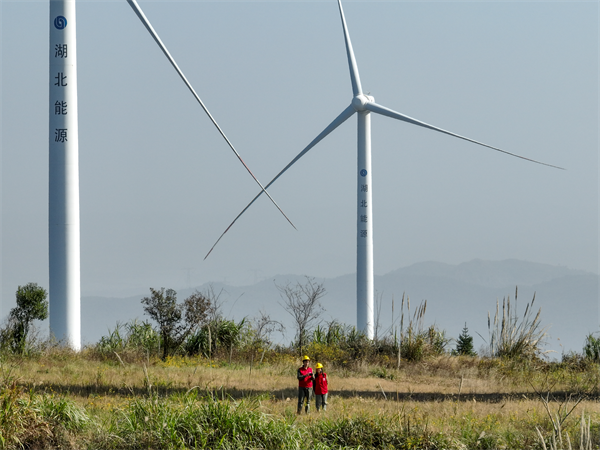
<point x="363" y="105"/>
<point x="63" y="186"/>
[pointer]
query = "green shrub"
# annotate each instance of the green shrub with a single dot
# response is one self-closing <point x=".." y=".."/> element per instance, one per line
<point x="135" y="336"/>
<point x="219" y="334"/>
<point x="591" y="348"/>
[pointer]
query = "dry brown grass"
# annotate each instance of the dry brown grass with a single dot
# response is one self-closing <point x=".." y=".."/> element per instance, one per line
<point x="459" y="397"/>
<point x="444" y="378"/>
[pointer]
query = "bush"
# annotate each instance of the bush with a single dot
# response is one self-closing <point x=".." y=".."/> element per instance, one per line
<point x="338" y="343"/>
<point x="344" y="344"/>
<point x="219" y="336"/>
<point x="135" y="337"/>
<point x="591" y="348"/>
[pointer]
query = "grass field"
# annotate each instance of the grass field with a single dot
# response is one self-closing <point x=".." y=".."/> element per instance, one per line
<point x="58" y="398"/>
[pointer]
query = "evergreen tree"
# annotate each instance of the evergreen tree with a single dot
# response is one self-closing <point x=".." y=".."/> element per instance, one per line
<point x="464" y="344"/>
<point x="31" y="305"/>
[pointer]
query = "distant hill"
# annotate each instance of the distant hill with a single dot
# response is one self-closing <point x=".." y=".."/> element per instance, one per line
<point x="455" y="294"/>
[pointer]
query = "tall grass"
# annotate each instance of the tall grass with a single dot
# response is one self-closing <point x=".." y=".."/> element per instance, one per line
<point x="560" y="440"/>
<point x="29" y="420"/>
<point x="512" y="336"/>
<point x="416" y="341"/>
<point x="376" y="432"/>
<point x="194" y="421"/>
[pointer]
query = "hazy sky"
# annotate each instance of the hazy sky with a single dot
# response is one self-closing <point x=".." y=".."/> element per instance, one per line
<point x="158" y="184"/>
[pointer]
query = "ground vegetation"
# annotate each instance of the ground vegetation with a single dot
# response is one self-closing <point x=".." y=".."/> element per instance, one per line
<point x="403" y="390"/>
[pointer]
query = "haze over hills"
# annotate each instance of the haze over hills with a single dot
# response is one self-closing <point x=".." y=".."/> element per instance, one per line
<point x="455" y="294"/>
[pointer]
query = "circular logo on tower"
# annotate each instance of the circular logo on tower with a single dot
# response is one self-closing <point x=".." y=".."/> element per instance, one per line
<point x="363" y="173"/>
<point x="60" y="22"/>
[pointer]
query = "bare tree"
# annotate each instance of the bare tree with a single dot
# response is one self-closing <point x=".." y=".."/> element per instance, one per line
<point x="215" y="314"/>
<point x="302" y="302"/>
<point x="215" y="311"/>
<point x="264" y="327"/>
<point x="378" y="303"/>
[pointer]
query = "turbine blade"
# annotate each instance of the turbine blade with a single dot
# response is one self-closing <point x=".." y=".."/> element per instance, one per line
<point x="354" y="77"/>
<point x="136" y="8"/>
<point x="374" y="107"/>
<point x="345" y="115"/>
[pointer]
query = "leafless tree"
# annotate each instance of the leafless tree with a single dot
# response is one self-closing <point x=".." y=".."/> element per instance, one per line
<point x="215" y="313"/>
<point x="302" y="302"/>
<point x="378" y="303"/>
<point x="264" y="327"/>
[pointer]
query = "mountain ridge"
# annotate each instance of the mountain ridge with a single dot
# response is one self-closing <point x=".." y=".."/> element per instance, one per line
<point x="455" y="294"/>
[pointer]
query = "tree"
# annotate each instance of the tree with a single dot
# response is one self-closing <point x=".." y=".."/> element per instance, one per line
<point x="264" y="326"/>
<point x="31" y="305"/>
<point x="163" y="308"/>
<point x="302" y="302"/>
<point x="464" y="344"/>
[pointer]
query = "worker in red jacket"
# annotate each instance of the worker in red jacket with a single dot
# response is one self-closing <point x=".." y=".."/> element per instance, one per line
<point x="320" y="387"/>
<point x="305" y="384"/>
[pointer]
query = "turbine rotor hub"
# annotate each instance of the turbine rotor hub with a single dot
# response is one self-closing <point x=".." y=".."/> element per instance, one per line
<point x="360" y="102"/>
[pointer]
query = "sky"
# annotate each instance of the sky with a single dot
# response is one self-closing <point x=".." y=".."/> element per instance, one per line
<point x="158" y="184"/>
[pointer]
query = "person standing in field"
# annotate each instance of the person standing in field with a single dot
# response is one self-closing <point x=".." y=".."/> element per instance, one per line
<point x="305" y="383"/>
<point x="320" y="387"/>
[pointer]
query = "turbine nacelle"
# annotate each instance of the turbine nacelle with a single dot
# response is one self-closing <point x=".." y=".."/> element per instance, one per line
<point x="359" y="102"/>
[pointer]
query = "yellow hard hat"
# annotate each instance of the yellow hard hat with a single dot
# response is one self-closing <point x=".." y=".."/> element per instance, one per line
<point x="306" y="358"/>
<point x="319" y="366"/>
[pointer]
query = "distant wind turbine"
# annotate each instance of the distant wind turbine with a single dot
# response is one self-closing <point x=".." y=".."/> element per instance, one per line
<point x="363" y="105"/>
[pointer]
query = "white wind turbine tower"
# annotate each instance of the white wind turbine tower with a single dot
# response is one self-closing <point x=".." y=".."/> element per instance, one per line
<point x="63" y="180"/>
<point x="63" y="198"/>
<point x="363" y="105"/>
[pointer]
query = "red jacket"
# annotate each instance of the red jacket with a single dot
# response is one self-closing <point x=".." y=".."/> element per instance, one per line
<point x="320" y="383"/>
<point x="305" y="377"/>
